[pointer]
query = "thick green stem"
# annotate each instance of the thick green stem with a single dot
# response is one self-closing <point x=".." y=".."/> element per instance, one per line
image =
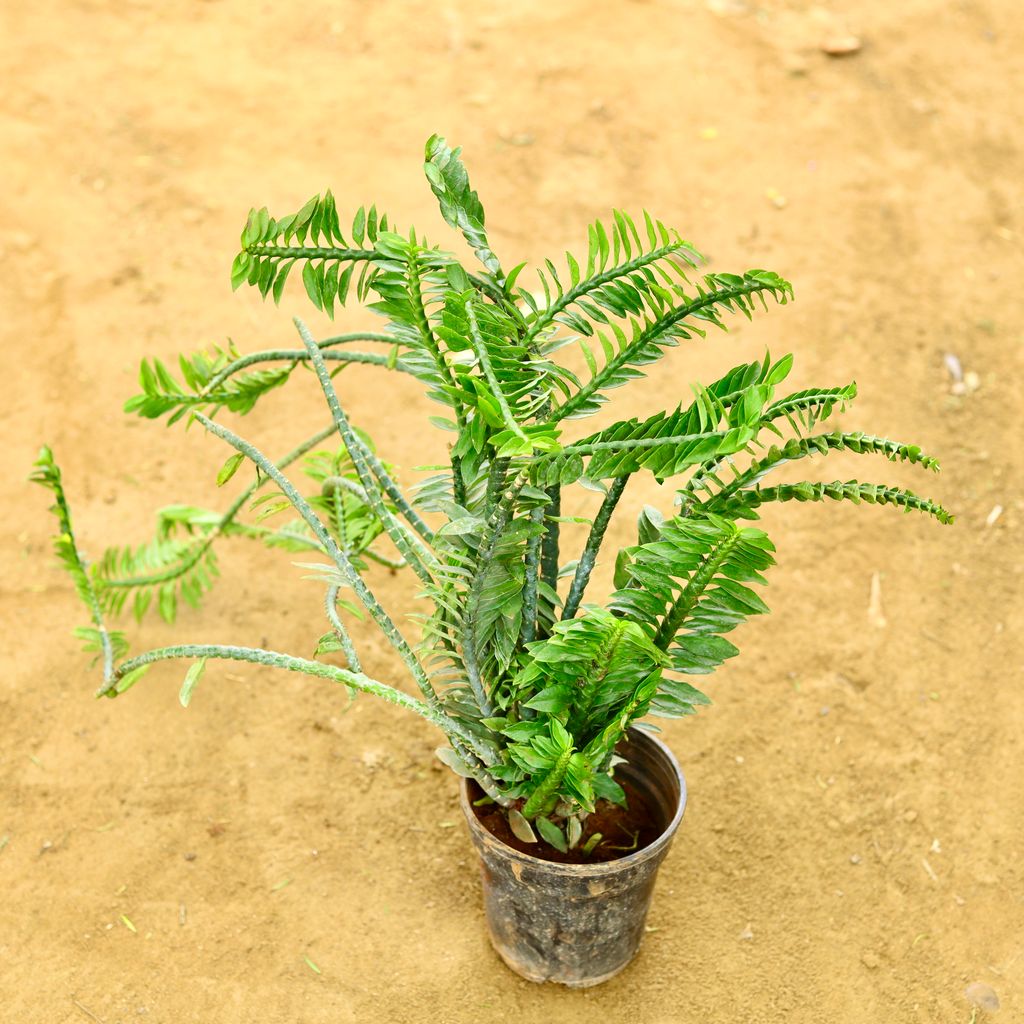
<point x="497" y="471"/>
<point x="313" y="252"/>
<point x="528" y="630"/>
<point x="588" y="559"/>
<point x="336" y="484"/>
<point x="392" y="490"/>
<point x="549" y="548"/>
<point x="274" y="659"/>
<point x="354" y="580"/>
<point x="420" y="559"/>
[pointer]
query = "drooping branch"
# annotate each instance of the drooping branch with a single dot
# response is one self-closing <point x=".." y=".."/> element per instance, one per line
<point x="289" y="663"/>
<point x="203" y="544"/>
<point x="349" y="574"/>
<point x="421" y="560"/>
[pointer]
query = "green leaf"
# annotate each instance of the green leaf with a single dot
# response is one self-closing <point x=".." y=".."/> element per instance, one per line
<point x="552" y="834"/>
<point x="129" y="679"/>
<point x="460" y="205"/>
<point x="520" y="827"/>
<point x="328" y="644"/>
<point x="552" y="700"/>
<point x="192" y="677"/>
<point x="230" y="467"/>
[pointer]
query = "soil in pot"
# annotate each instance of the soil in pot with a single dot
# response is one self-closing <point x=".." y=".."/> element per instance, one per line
<point x="624" y="830"/>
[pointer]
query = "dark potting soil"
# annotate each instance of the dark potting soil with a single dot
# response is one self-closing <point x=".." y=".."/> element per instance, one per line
<point x="624" y="830"/>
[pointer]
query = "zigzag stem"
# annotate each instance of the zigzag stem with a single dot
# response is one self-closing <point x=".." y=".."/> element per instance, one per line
<point x="312" y="252"/>
<point x="549" y="549"/>
<point x="588" y="558"/>
<point x="334" y="484"/>
<point x="392" y="490"/>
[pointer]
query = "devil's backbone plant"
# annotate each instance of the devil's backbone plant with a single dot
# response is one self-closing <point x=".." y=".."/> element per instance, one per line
<point x="531" y="686"/>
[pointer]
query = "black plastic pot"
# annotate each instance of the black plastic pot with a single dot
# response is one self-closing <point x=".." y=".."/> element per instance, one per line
<point x="579" y="924"/>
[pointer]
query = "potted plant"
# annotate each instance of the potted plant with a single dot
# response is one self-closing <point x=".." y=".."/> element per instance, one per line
<point x="542" y="699"/>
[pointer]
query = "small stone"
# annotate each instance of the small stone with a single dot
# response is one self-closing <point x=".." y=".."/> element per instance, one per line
<point x="841" y="45"/>
<point x="747" y="935"/>
<point x="953" y="367"/>
<point x="824" y="711"/>
<point x="190" y="855"/>
<point x="855" y="858"/>
<point x="983" y="996"/>
<point x="993" y="516"/>
<point x="910" y="816"/>
<point x="870" y="961"/>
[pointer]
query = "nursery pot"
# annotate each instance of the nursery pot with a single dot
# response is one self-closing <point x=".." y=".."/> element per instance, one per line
<point x="579" y="924"/>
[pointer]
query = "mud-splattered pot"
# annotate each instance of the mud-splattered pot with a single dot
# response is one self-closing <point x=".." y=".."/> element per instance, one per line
<point x="579" y="924"/>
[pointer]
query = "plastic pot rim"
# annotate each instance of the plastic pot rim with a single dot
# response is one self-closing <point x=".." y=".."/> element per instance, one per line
<point x="599" y="870"/>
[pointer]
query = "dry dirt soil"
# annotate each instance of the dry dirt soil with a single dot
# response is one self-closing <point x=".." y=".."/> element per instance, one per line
<point x="852" y="849"/>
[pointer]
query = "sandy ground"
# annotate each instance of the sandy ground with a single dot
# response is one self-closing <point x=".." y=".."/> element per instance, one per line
<point x="852" y="848"/>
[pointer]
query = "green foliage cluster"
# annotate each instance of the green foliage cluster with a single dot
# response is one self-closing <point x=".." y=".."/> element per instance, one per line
<point x="532" y="686"/>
